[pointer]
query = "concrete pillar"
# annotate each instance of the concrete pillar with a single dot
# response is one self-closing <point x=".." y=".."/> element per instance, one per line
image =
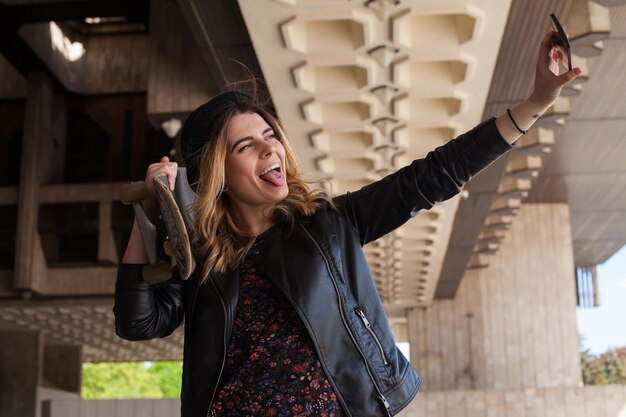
<point x="512" y="325"/>
<point x="21" y="358"/>
<point x="53" y="167"/>
<point x="37" y="133"/>
<point x="107" y="251"/>
<point x="62" y="367"/>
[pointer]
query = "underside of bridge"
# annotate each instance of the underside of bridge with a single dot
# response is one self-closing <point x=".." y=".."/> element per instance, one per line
<point x="362" y="88"/>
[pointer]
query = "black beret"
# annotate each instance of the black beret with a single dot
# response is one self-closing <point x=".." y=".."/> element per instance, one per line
<point x="200" y="123"/>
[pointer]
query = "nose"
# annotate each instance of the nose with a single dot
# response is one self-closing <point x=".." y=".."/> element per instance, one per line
<point x="268" y="149"/>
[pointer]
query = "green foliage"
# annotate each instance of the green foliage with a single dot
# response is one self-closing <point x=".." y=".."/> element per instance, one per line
<point x="170" y="375"/>
<point x="118" y="380"/>
<point x="608" y="368"/>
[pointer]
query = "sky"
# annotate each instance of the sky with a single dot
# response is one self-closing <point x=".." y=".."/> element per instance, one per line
<point x="604" y="327"/>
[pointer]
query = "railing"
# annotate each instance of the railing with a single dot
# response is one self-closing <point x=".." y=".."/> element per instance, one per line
<point x="587" y="294"/>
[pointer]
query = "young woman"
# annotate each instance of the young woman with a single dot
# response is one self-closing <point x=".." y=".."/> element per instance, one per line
<point x="282" y="317"/>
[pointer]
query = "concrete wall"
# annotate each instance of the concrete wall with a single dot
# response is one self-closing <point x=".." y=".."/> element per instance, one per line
<point x="111" y="408"/>
<point x="511" y="325"/>
<point x="599" y="401"/>
<point x="593" y="401"/>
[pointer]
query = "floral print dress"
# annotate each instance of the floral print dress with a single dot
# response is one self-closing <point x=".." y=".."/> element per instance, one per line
<point x="271" y="366"/>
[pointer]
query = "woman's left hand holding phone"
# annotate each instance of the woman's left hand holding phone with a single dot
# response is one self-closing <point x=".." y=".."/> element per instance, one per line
<point x="548" y="80"/>
<point x="547" y="88"/>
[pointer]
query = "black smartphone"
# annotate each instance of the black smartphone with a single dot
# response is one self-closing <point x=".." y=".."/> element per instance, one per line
<point x="564" y="39"/>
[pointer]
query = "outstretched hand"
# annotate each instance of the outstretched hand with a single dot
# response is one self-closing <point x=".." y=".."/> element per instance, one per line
<point x="548" y="80"/>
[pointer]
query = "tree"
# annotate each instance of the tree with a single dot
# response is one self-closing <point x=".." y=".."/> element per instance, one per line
<point x="117" y="380"/>
<point x="608" y="368"/>
<point x="170" y="375"/>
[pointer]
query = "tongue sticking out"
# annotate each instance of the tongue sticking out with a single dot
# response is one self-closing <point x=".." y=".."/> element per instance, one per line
<point x="274" y="177"/>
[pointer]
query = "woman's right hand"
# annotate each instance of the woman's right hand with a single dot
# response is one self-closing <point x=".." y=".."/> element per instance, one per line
<point x="164" y="166"/>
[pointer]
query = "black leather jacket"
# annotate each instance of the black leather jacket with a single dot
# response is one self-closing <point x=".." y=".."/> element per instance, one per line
<point x="320" y="267"/>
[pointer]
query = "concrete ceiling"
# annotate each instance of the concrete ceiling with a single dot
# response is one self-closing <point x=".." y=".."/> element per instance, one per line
<point x="363" y="88"/>
<point x="538" y="166"/>
<point x="87" y="322"/>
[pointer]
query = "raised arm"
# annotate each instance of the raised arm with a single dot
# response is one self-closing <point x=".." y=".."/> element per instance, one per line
<point x="547" y="88"/>
<point x="135" y="252"/>
<point x="143" y="311"/>
<point x="381" y="207"/>
<point x="385" y="205"/>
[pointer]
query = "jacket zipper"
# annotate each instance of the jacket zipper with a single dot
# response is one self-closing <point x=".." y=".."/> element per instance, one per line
<point x="380" y="395"/>
<point x="368" y="326"/>
<point x="225" y="346"/>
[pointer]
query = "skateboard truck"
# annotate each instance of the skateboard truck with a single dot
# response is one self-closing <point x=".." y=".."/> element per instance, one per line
<point x="177" y="219"/>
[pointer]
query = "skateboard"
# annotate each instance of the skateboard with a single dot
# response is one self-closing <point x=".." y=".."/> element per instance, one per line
<point x="167" y="243"/>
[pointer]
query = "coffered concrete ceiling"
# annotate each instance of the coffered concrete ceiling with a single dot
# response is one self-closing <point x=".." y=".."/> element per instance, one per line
<point x="365" y="87"/>
<point x="571" y="157"/>
<point x="89" y="323"/>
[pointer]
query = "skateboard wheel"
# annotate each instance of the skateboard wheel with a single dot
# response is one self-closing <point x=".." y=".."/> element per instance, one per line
<point x="156" y="273"/>
<point x="133" y="192"/>
<point x="167" y="248"/>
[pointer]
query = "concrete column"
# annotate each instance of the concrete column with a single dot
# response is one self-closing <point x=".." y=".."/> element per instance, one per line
<point x="53" y="167"/>
<point x="37" y="134"/>
<point x="62" y="366"/>
<point x="107" y="251"/>
<point x="511" y="325"/>
<point x="21" y="358"/>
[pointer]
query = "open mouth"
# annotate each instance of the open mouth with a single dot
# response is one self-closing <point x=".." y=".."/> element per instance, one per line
<point x="273" y="175"/>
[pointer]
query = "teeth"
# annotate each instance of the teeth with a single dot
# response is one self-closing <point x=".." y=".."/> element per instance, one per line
<point x="268" y="169"/>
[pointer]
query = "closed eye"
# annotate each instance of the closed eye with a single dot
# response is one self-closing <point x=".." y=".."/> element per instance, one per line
<point x="244" y="147"/>
<point x="249" y="138"/>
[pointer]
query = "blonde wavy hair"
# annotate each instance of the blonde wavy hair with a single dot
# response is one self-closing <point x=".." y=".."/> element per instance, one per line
<point x="219" y="243"/>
